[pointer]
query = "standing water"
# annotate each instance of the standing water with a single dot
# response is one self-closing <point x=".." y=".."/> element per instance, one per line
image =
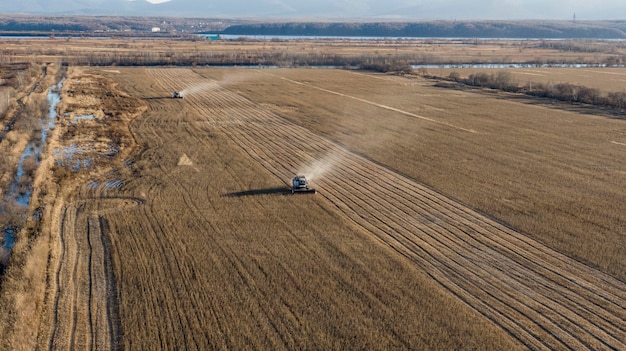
<point x="20" y="192"/>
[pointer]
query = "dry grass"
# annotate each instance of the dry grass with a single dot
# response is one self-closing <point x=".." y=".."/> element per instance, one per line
<point x="23" y="290"/>
<point x="84" y="51"/>
<point x="23" y="287"/>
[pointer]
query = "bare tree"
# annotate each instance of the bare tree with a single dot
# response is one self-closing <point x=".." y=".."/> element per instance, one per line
<point x="503" y="79"/>
<point x="455" y="76"/>
<point x="618" y="99"/>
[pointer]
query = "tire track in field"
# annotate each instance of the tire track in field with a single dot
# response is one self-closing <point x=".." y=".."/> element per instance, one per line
<point x="617" y="143"/>
<point x="541" y="297"/>
<point x="84" y="312"/>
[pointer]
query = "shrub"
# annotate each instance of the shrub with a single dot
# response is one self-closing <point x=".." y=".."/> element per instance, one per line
<point x="480" y="79"/>
<point x="617" y="99"/>
<point x="503" y="80"/>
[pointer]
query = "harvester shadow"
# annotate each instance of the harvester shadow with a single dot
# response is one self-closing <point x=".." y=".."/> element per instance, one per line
<point x="256" y="192"/>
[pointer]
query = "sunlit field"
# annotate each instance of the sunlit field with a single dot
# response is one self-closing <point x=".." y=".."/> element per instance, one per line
<point x="446" y="217"/>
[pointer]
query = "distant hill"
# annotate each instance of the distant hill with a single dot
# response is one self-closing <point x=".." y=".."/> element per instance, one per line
<point x="142" y="25"/>
<point x="442" y="29"/>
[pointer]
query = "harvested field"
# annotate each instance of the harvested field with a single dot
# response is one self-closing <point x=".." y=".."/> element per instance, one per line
<point x="208" y="253"/>
<point x="553" y="174"/>
<point x="443" y="219"/>
<point x="516" y="282"/>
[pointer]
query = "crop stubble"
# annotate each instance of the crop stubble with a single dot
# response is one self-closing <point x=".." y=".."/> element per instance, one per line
<point x="543" y="298"/>
<point x="204" y="264"/>
<point x="205" y="255"/>
<point x="554" y="174"/>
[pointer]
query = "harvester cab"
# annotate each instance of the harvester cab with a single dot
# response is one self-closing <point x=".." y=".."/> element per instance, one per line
<point x="177" y="95"/>
<point x="299" y="184"/>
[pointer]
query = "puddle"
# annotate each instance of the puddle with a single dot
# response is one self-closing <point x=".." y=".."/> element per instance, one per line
<point x="78" y="158"/>
<point x="18" y="189"/>
<point x="72" y="157"/>
<point x="54" y="97"/>
<point x="82" y="118"/>
<point x="6" y="244"/>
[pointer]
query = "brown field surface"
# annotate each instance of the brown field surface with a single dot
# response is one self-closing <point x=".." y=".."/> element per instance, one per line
<point x="555" y="175"/>
<point x="209" y="250"/>
<point x="200" y="247"/>
<point x="444" y="219"/>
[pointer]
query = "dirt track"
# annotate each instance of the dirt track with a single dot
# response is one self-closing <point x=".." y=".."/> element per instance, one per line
<point x="85" y="311"/>
<point x="542" y="298"/>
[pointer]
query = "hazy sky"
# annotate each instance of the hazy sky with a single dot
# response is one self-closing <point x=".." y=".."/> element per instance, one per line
<point x="439" y="9"/>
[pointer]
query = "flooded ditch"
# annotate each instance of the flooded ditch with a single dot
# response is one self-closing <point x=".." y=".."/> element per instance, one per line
<point x="20" y="190"/>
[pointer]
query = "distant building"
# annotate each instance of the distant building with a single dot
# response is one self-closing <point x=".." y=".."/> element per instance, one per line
<point x="156" y="29"/>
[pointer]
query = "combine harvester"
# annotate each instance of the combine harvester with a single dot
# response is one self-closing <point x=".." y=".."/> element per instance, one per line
<point x="300" y="185"/>
<point x="177" y="95"/>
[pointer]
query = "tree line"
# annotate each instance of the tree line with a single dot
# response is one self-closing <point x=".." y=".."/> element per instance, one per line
<point x="440" y="29"/>
<point x="503" y="80"/>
